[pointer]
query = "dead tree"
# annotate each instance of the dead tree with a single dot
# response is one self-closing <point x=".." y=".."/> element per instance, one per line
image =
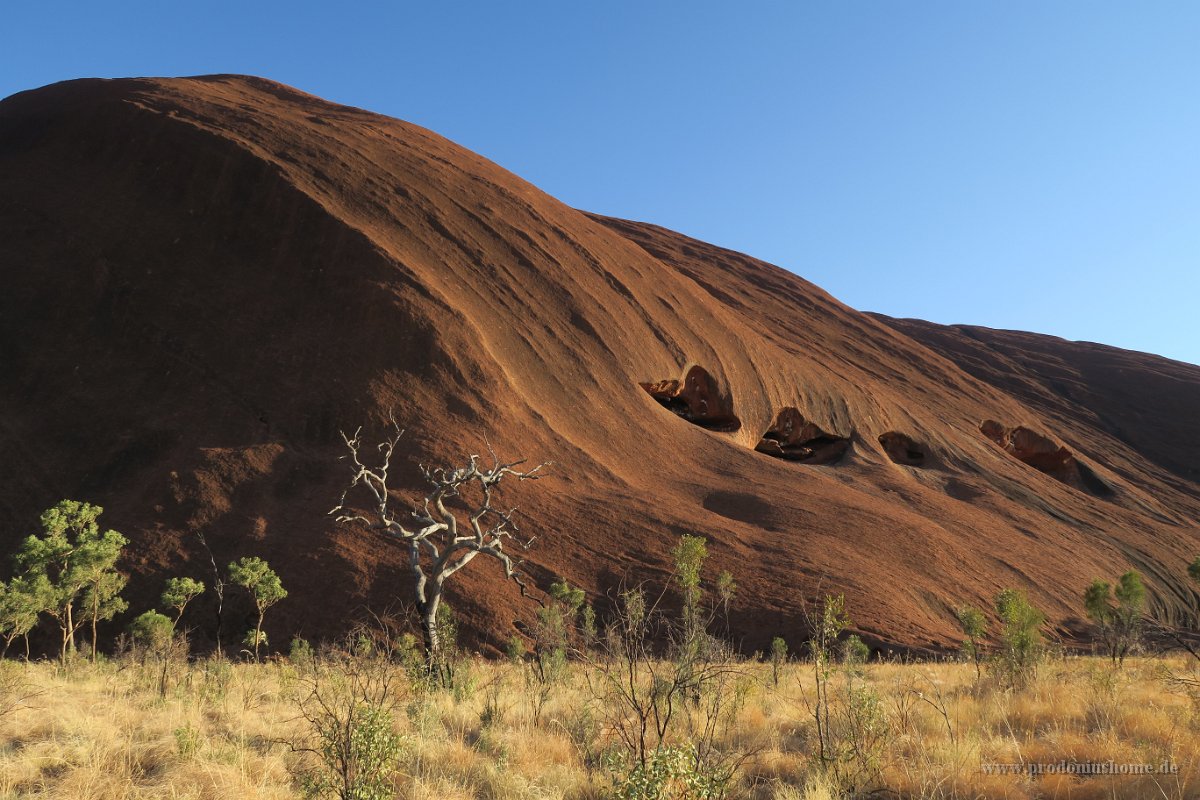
<point x="440" y="540"/>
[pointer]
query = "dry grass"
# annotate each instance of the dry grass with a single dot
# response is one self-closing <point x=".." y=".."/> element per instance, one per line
<point x="220" y="731"/>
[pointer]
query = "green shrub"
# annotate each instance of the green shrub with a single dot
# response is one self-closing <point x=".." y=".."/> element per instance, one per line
<point x="1021" y="647"/>
<point x="300" y="650"/>
<point x="974" y="627"/>
<point x="779" y="655"/>
<point x="1118" y="618"/>
<point x="187" y="741"/>
<point x="358" y="754"/>
<point x="152" y="630"/>
<point x="669" y="773"/>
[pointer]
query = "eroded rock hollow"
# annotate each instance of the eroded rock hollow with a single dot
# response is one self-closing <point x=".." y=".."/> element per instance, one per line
<point x="794" y="438"/>
<point x="1046" y="455"/>
<point x="697" y="399"/>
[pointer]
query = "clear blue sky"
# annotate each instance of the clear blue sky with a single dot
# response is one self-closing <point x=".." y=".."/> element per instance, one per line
<point x="1016" y="164"/>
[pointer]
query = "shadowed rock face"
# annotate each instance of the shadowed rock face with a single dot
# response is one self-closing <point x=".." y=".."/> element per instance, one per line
<point x="203" y="280"/>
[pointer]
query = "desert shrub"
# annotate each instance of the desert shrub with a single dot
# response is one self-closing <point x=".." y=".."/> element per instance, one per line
<point x="851" y="725"/>
<point x="347" y="697"/>
<point x="855" y="651"/>
<point x="670" y="717"/>
<point x="779" y="656"/>
<point x="152" y="631"/>
<point x="974" y="628"/>
<point x="670" y="773"/>
<point x="187" y="741"/>
<point x="555" y="632"/>
<point x="300" y="651"/>
<point x="441" y="665"/>
<point x="1117" y="615"/>
<point x="1021" y="648"/>
<point x="160" y="653"/>
<point x="253" y="640"/>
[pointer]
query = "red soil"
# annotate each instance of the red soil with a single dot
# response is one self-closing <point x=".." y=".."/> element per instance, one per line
<point x="202" y="280"/>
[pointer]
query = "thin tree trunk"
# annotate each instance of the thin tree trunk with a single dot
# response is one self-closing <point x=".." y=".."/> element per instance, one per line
<point x="95" y="616"/>
<point x="220" y="588"/>
<point x="69" y="631"/>
<point x="258" y="633"/>
<point x="218" y="585"/>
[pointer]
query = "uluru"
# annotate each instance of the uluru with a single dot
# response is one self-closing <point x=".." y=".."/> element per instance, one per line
<point x="204" y="280"/>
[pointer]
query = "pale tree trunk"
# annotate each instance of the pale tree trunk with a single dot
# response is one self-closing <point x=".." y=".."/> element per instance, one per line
<point x="429" y="627"/>
<point x="95" y="615"/>
<point x="70" y="631"/>
<point x="258" y="632"/>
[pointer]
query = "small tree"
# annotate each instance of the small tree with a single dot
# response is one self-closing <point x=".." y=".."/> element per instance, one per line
<point x="154" y="637"/>
<point x="974" y="627"/>
<point x="779" y="656"/>
<point x="22" y="601"/>
<point x="102" y="600"/>
<point x="554" y="630"/>
<point x="440" y="540"/>
<point x="265" y="588"/>
<point x="218" y="588"/>
<point x="177" y="593"/>
<point x="1020" y="636"/>
<point x="826" y="626"/>
<point x="689" y="555"/>
<point x="726" y="591"/>
<point x="70" y="557"/>
<point x="851" y="727"/>
<point x="1118" y="618"/>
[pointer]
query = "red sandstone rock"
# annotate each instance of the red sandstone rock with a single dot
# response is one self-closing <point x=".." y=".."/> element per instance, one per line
<point x="203" y="280"/>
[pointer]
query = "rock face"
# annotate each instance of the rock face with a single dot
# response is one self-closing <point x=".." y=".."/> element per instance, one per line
<point x="203" y="280"/>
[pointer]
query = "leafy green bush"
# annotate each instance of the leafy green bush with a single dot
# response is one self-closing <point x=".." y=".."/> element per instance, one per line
<point x="1021" y="647"/>
<point x="670" y="773"/>
<point x="152" y="630"/>
<point x="779" y="656"/>
<point x="974" y="627"/>
<point x="357" y="756"/>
